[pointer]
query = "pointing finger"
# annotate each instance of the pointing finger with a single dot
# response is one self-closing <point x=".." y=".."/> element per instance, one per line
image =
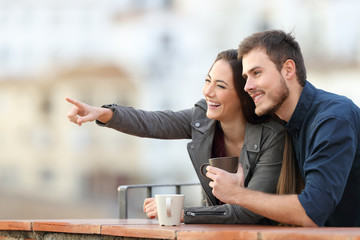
<point x="75" y="102"/>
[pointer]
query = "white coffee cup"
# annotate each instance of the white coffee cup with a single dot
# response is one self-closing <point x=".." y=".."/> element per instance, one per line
<point x="169" y="208"/>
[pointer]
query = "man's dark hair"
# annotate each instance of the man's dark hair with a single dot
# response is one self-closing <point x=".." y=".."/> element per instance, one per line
<point x="279" y="46"/>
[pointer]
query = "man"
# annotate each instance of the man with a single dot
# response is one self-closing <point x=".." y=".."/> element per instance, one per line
<point x="325" y="129"/>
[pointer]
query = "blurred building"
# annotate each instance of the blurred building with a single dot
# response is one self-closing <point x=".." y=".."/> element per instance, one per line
<point x="149" y="54"/>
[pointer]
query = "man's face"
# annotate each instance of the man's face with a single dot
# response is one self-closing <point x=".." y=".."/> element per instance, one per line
<point x="264" y="83"/>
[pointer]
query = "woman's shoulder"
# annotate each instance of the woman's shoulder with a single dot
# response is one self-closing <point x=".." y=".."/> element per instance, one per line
<point x="274" y="125"/>
<point x="267" y="131"/>
<point x="270" y="125"/>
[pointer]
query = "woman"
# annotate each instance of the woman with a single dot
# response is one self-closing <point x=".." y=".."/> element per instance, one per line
<point x="222" y="124"/>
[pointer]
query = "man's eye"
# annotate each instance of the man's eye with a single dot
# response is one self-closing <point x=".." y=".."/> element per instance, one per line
<point x="257" y="73"/>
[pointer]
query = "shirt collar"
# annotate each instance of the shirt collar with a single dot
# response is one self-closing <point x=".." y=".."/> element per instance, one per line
<point x="303" y="106"/>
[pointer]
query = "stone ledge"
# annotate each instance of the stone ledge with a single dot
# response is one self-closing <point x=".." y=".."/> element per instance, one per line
<point x="121" y="229"/>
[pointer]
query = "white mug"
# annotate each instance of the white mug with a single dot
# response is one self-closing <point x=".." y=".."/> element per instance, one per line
<point x="169" y="208"/>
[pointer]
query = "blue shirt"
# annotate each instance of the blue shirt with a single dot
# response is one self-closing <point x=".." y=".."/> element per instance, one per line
<point x="325" y="129"/>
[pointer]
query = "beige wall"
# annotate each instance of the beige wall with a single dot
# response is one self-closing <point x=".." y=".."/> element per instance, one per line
<point x="43" y="153"/>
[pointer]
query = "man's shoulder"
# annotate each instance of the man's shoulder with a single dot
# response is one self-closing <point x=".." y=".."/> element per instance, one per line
<point x="324" y="99"/>
<point x="328" y="104"/>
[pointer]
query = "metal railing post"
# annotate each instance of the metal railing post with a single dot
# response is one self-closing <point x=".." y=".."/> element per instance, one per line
<point x="123" y="194"/>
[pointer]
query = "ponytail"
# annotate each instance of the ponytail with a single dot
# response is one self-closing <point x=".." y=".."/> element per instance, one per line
<point x="290" y="180"/>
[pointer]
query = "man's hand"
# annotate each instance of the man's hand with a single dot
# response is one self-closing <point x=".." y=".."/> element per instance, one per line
<point x="223" y="182"/>
<point x="229" y="188"/>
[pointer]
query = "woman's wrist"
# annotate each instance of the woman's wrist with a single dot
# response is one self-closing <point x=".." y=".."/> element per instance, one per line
<point x="105" y="115"/>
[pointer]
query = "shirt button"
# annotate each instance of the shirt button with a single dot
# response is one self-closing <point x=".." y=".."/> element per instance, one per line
<point x="197" y="124"/>
<point x="255" y="146"/>
<point x="192" y="146"/>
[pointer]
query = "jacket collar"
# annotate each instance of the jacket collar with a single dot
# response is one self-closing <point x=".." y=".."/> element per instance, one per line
<point x="252" y="134"/>
<point x="204" y="124"/>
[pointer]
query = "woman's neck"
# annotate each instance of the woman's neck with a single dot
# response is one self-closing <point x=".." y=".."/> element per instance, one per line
<point x="234" y="134"/>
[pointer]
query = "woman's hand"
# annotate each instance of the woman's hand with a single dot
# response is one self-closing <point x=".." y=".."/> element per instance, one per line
<point x="82" y="112"/>
<point x="150" y="208"/>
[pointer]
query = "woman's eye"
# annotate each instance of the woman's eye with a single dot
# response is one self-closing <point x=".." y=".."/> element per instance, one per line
<point x="221" y="86"/>
<point x="207" y="80"/>
<point x="257" y="73"/>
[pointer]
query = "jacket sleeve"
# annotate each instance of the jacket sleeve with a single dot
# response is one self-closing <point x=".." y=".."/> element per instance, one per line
<point x="263" y="177"/>
<point x="222" y="214"/>
<point x="265" y="174"/>
<point x="150" y="124"/>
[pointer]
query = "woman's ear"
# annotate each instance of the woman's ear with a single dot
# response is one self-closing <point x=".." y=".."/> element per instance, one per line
<point x="289" y="69"/>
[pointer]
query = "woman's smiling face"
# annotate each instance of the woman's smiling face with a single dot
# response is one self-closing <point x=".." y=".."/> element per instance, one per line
<point x="220" y="93"/>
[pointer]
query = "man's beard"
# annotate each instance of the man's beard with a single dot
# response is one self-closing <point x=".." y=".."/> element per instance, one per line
<point x="277" y="100"/>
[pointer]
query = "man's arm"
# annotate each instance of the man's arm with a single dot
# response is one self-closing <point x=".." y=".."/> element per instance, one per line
<point x="228" y="188"/>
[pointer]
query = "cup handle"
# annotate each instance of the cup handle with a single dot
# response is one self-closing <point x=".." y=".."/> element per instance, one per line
<point x="202" y="169"/>
<point x="168" y="206"/>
